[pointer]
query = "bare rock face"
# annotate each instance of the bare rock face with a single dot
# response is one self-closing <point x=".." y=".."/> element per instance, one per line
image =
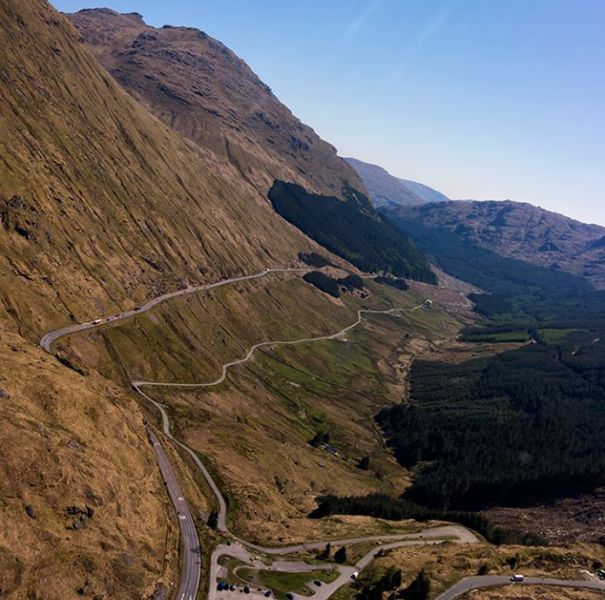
<point x="200" y="88"/>
<point x="524" y="232"/>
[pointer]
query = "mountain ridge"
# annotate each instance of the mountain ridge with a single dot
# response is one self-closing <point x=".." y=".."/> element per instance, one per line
<point x="203" y="90"/>
<point x="386" y="189"/>
<point x="520" y="231"/>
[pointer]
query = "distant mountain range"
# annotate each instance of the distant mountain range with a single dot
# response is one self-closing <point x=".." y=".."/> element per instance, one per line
<point x="386" y="189"/>
<point x="511" y="229"/>
<point x="517" y="230"/>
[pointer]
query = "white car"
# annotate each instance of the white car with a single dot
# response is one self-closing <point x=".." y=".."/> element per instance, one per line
<point x="517" y="578"/>
<point x="96" y="321"/>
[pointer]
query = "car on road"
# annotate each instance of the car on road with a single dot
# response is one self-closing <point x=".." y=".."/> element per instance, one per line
<point x="96" y="321"/>
<point x="355" y="575"/>
<point x="317" y="583"/>
<point x="517" y="578"/>
<point x="268" y="594"/>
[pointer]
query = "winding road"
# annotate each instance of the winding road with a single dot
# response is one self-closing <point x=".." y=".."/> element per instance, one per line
<point x="486" y="581"/>
<point x="191" y="555"/>
<point x="50" y="338"/>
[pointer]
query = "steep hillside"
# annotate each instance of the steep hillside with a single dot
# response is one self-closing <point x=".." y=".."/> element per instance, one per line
<point x="387" y="190"/>
<point x="520" y="231"/>
<point x="73" y="441"/>
<point x="101" y="205"/>
<point x="204" y="91"/>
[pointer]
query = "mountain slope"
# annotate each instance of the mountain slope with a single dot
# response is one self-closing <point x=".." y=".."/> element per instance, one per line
<point x="520" y="231"/>
<point x="65" y="441"/>
<point x="101" y="205"/>
<point x="386" y="189"/>
<point x="200" y="88"/>
<point x="206" y="93"/>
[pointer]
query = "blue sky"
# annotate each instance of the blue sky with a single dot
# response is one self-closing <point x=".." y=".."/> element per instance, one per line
<point x="477" y="98"/>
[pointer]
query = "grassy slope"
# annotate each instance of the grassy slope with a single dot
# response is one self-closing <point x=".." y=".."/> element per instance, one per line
<point x="115" y="206"/>
<point x="72" y="440"/>
<point x="201" y="89"/>
<point x="275" y="404"/>
<point x="448" y="563"/>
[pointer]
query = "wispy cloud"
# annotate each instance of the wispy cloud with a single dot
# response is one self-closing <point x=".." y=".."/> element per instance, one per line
<point x="433" y="26"/>
<point x="360" y="21"/>
<point x="430" y="29"/>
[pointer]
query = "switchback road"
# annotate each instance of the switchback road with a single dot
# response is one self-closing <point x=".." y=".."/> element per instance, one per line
<point x="191" y="566"/>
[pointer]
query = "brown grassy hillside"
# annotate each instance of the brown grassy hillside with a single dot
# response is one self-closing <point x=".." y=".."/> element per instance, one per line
<point x="68" y="440"/>
<point x="203" y="90"/>
<point x="100" y="202"/>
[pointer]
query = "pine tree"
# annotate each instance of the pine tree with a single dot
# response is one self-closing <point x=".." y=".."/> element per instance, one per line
<point x="341" y="555"/>
<point x="325" y="553"/>
<point x="419" y="589"/>
<point x="213" y="519"/>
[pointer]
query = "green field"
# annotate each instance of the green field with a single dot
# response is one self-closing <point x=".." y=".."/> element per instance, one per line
<point x="281" y="582"/>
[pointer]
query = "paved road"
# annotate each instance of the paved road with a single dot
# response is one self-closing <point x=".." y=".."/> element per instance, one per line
<point x="137" y="385"/>
<point x="473" y="583"/>
<point x="225" y="368"/>
<point x="191" y="551"/>
<point x="191" y="554"/>
<point x="326" y="590"/>
<point x="222" y="516"/>
<point x="191" y="564"/>
<point x="50" y="338"/>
